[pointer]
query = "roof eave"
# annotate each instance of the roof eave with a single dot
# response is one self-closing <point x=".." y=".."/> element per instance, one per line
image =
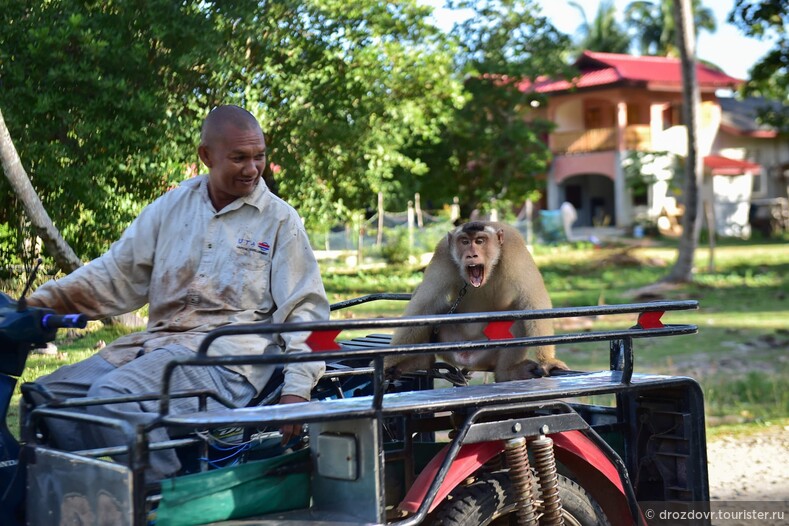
<point x="756" y="134"/>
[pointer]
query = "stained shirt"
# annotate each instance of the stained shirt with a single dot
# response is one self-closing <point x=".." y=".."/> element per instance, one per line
<point x="199" y="269"/>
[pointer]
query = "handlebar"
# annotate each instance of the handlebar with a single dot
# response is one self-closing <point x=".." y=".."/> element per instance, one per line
<point x="64" y="321"/>
<point x="33" y="325"/>
<point x="23" y="328"/>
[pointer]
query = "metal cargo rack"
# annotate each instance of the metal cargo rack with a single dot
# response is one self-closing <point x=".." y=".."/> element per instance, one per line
<point x="482" y="413"/>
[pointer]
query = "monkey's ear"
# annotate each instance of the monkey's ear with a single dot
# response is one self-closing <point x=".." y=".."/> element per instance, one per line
<point x="449" y="239"/>
<point x="500" y="235"/>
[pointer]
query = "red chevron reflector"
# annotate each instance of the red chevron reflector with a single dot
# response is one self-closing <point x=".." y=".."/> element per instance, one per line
<point x="320" y="341"/>
<point x="498" y="330"/>
<point x="651" y="320"/>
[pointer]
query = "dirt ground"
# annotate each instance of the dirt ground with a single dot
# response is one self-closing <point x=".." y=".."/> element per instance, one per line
<point x="750" y="467"/>
<point x="745" y="470"/>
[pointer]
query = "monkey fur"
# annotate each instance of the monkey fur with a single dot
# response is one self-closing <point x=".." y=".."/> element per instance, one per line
<point x="501" y="275"/>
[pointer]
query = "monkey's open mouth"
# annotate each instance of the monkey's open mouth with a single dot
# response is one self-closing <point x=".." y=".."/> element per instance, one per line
<point x="476" y="274"/>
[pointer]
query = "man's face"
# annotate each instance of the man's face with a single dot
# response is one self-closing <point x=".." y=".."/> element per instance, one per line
<point x="235" y="160"/>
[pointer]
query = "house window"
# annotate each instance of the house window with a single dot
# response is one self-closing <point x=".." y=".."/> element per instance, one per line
<point x="593" y="118"/>
<point x="641" y="198"/>
<point x="634" y="115"/>
<point x="599" y="114"/>
<point x="757" y="183"/>
<point x="755" y="156"/>
<point x="672" y="115"/>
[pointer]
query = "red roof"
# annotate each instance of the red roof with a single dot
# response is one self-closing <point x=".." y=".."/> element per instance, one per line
<point x="720" y="165"/>
<point x="603" y="69"/>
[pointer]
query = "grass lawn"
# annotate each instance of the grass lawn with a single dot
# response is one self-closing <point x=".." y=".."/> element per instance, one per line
<point x="739" y="354"/>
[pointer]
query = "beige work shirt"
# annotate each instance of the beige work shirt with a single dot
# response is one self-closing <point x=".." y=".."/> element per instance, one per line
<point x="199" y="269"/>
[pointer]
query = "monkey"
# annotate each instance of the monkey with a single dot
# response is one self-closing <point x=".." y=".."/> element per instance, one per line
<point x="490" y="262"/>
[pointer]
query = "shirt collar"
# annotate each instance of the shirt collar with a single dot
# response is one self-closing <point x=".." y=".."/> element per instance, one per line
<point x="258" y="198"/>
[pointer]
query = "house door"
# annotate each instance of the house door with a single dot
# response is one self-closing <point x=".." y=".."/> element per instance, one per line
<point x="592" y="195"/>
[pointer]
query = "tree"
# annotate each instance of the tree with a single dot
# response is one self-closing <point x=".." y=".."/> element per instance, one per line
<point x="682" y="271"/>
<point x="99" y="99"/>
<point x="12" y="167"/>
<point x="604" y="33"/>
<point x="655" y="26"/>
<point x="105" y="99"/>
<point x="345" y="90"/>
<point x="769" y="76"/>
<point x="495" y="148"/>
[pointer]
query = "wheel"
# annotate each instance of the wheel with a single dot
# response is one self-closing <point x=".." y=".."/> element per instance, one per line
<point x="489" y="501"/>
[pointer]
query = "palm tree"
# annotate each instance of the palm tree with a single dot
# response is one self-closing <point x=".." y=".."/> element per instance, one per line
<point x="655" y="25"/>
<point x="604" y="33"/>
<point x="691" y="103"/>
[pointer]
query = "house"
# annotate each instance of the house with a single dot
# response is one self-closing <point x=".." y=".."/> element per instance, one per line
<point x="741" y="136"/>
<point x="621" y="104"/>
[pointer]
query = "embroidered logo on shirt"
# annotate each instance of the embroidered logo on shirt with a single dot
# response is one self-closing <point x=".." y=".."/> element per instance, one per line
<point x="253" y="246"/>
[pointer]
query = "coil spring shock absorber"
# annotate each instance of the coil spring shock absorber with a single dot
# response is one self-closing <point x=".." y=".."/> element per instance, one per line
<point x="521" y="477"/>
<point x="545" y="466"/>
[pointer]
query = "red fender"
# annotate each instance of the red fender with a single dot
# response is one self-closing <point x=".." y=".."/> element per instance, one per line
<point x="593" y="469"/>
<point x="469" y="459"/>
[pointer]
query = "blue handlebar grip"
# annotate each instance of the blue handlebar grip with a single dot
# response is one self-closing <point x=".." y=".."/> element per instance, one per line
<point x="64" y="321"/>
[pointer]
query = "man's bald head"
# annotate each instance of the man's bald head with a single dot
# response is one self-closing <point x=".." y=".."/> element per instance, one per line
<point x="221" y="117"/>
<point x="233" y="148"/>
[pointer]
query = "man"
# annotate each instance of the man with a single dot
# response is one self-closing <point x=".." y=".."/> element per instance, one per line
<point x="218" y="249"/>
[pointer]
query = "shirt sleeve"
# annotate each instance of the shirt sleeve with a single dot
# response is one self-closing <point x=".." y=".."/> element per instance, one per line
<point x="299" y="296"/>
<point x="116" y="282"/>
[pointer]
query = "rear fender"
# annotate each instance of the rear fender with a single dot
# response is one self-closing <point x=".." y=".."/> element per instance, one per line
<point x="592" y="468"/>
<point x="469" y="459"/>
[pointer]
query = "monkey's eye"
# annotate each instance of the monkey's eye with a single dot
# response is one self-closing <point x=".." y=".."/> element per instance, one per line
<point x="480" y="241"/>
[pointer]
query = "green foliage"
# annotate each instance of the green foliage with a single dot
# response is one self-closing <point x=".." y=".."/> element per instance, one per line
<point x="395" y="249"/>
<point x="769" y="76"/>
<point x="12" y="245"/>
<point x="636" y="166"/>
<point x="604" y="33"/>
<point x="352" y="284"/>
<point x="429" y="236"/>
<point x="496" y="148"/>
<point x="343" y="90"/>
<point x="104" y="99"/>
<point x="97" y="96"/>
<point x="654" y="26"/>
<point x="742" y="396"/>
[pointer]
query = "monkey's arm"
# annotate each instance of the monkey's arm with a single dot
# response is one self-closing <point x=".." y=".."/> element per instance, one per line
<point x="420" y="304"/>
<point x="430" y="297"/>
<point x="396" y="365"/>
<point x="528" y="293"/>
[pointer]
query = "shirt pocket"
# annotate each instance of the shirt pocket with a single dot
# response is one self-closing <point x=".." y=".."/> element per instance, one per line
<point x="246" y="285"/>
<point x="250" y="260"/>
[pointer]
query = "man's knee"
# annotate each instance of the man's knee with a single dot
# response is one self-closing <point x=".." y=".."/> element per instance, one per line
<point x="102" y="389"/>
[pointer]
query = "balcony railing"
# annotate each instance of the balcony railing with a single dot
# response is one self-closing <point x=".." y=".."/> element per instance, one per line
<point x="636" y="137"/>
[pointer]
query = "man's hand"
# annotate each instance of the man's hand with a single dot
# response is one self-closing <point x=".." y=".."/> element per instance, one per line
<point x="290" y="431"/>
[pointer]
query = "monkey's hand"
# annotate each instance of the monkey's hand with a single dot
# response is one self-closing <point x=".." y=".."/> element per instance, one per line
<point x="393" y="373"/>
<point x="549" y="365"/>
<point x="392" y="369"/>
<point x="524" y="370"/>
<point x="396" y="366"/>
<point x="527" y="369"/>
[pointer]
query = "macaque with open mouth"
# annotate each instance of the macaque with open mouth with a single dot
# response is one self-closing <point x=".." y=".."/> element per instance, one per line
<point x="480" y="267"/>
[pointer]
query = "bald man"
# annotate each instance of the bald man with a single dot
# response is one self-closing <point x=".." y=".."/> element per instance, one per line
<point x="218" y="249"/>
